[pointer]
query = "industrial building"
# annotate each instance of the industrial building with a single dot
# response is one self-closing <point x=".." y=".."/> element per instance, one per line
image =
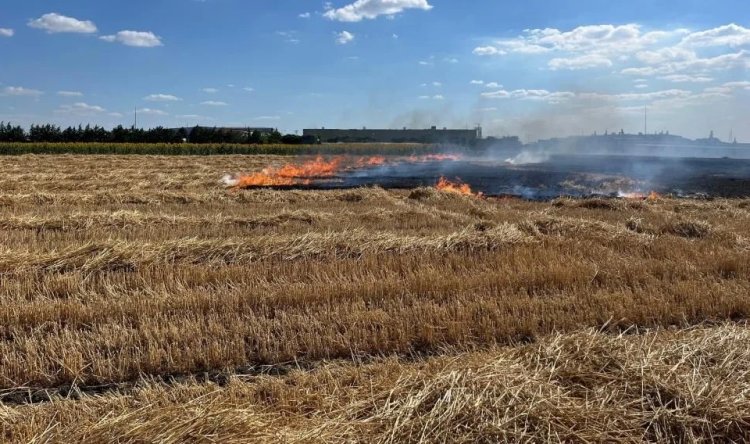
<point x="364" y="135"/>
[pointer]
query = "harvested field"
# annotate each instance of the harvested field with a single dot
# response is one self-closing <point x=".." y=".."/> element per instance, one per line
<point x="163" y="307"/>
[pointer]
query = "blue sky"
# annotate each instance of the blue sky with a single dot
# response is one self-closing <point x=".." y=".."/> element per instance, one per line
<point x="533" y="68"/>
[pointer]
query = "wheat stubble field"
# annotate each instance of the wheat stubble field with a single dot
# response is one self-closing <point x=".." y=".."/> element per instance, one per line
<point x="140" y="301"/>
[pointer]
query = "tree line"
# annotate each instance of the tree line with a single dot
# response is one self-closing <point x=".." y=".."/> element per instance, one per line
<point x="52" y="133"/>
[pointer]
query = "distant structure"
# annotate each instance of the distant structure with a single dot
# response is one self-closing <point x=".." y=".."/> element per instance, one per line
<point x="241" y="131"/>
<point x="364" y="135"/>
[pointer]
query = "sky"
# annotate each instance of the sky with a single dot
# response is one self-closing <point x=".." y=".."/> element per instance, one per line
<point x="535" y="69"/>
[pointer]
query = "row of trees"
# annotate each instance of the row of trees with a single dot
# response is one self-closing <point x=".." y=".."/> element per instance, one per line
<point x="120" y="134"/>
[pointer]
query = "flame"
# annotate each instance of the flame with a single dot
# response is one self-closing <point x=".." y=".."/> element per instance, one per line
<point x="312" y="169"/>
<point x="651" y="197"/>
<point x="454" y="187"/>
<point x="287" y="175"/>
<point x="370" y="161"/>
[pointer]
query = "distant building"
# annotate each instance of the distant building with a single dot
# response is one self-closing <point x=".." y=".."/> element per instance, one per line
<point x="432" y="135"/>
<point x="242" y="131"/>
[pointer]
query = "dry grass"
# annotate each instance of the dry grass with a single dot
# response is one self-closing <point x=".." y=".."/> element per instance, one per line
<point x="664" y="386"/>
<point x="114" y="269"/>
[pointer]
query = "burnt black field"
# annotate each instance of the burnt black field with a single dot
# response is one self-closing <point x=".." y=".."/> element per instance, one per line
<point x="567" y="175"/>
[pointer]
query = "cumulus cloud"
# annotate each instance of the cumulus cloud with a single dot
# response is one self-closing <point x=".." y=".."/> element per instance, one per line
<point x="138" y="39"/>
<point x="599" y="39"/>
<point x="586" y="61"/>
<point x="488" y="51"/>
<point x="56" y="23"/>
<point x="530" y="94"/>
<point x="371" y="9"/>
<point x="344" y="37"/>
<point x="20" y="91"/>
<point x="476" y="82"/>
<point x="304" y="15"/>
<point x="162" y="98"/>
<point x="677" y="55"/>
<point x="731" y="35"/>
<point x="152" y="112"/>
<point x="664" y="99"/>
<point x="70" y="93"/>
<point x="685" y="78"/>
<point x="214" y="103"/>
<point x="80" y="108"/>
<point x="692" y="64"/>
<point x="493" y="85"/>
<point x="6" y="32"/>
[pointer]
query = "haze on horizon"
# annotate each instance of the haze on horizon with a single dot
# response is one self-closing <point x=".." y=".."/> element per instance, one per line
<point x="536" y="70"/>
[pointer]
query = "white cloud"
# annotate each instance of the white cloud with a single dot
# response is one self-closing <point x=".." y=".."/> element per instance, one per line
<point x="6" y="32"/>
<point x="395" y="36"/>
<point x="437" y="84"/>
<point x="20" y="91"/>
<point x="267" y="118"/>
<point x="371" y="9"/>
<point x="152" y="112"/>
<point x="210" y="90"/>
<point x="289" y="36"/>
<point x="214" y="103"/>
<point x="162" y="98"/>
<point x="602" y="40"/>
<point x="248" y="89"/>
<point x="80" y="108"/>
<point x="556" y="97"/>
<point x="139" y="39"/>
<point x="70" y="93"/>
<point x="56" y="23"/>
<point x="488" y="51"/>
<point x="435" y="97"/>
<point x="685" y="78"/>
<point x="728" y="35"/>
<point x="344" y="37"/>
<point x="493" y="85"/>
<point x="476" y="82"/>
<point x="586" y="61"/>
<point x="304" y="15"/>
<point x="692" y="64"/>
<point x="451" y="60"/>
<point x="530" y="94"/>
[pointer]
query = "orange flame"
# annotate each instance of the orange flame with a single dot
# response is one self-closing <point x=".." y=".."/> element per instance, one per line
<point x="289" y="174"/>
<point x="370" y="162"/>
<point x="454" y="187"/>
<point x="312" y="169"/>
<point x="651" y="197"/>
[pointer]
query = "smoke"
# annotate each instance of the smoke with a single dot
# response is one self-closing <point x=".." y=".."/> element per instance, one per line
<point x="229" y="180"/>
<point x="527" y="157"/>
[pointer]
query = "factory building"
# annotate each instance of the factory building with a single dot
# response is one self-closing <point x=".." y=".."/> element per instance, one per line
<point x="364" y="135"/>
